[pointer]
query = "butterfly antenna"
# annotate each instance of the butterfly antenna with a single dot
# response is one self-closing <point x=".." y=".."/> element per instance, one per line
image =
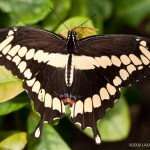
<point x="58" y="18"/>
<point x="85" y="21"/>
<point x="88" y="19"/>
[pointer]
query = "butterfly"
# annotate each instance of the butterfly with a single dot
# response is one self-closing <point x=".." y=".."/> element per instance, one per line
<point x="86" y="74"/>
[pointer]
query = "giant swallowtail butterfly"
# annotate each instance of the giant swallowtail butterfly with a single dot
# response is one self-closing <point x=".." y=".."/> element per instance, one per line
<point x="85" y="73"/>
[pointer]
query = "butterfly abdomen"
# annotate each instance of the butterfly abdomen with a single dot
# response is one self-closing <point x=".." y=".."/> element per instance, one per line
<point x="69" y="71"/>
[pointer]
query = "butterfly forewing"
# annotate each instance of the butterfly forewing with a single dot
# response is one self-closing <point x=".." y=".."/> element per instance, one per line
<point x="86" y="73"/>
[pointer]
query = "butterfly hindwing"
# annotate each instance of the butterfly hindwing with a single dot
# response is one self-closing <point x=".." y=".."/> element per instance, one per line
<point x="45" y="89"/>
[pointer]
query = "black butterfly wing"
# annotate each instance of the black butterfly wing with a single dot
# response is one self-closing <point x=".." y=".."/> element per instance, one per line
<point x="103" y="65"/>
<point x="45" y="90"/>
<point x="32" y="55"/>
<point x="28" y="46"/>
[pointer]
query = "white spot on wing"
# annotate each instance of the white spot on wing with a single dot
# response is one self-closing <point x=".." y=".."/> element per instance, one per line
<point x="131" y="68"/>
<point x="22" y="66"/>
<point x="8" y="57"/>
<point x="78" y="123"/>
<point x="97" y="139"/>
<point x="48" y="100"/>
<point x="28" y="73"/>
<point x="6" y="49"/>
<point x="117" y="81"/>
<point x="104" y="61"/>
<point x="144" y="60"/>
<point x="111" y="89"/>
<point x="138" y="39"/>
<point x="37" y="133"/>
<point x="104" y="94"/>
<point x="78" y="107"/>
<point x="16" y="60"/>
<point x="125" y="59"/>
<point x="56" y="104"/>
<point x="30" y="82"/>
<point x="140" y="67"/>
<point x="36" y="87"/>
<point x="11" y="32"/>
<point x="145" y="51"/>
<point x="124" y="74"/>
<point x="116" y="61"/>
<point x="22" y="51"/>
<point x="15" y="28"/>
<point x="30" y="54"/>
<point x="143" y="43"/>
<point x="14" y="50"/>
<point x="135" y="59"/>
<point x="96" y="101"/>
<point x="6" y="42"/>
<point x="88" y="105"/>
<point x="41" y="95"/>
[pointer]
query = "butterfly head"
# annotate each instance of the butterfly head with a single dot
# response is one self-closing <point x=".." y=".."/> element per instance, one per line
<point x="72" y="34"/>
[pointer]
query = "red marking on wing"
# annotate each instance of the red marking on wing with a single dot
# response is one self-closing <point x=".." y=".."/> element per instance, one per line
<point x="66" y="101"/>
<point x="71" y="102"/>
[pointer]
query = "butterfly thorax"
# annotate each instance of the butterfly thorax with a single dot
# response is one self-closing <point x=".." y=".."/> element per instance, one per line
<point x="71" y="42"/>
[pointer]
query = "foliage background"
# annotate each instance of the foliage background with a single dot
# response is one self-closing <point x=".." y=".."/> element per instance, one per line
<point x="128" y="122"/>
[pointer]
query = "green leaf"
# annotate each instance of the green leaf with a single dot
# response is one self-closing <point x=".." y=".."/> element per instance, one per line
<point x="61" y="8"/>
<point x="28" y="12"/>
<point x="17" y="141"/>
<point x="7" y="83"/>
<point x="49" y="140"/>
<point x="75" y="21"/>
<point x="116" y="123"/>
<point x="98" y="20"/>
<point x="103" y="10"/>
<point x="5" y="134"/>
<point x="14" y="104"/>
<point x="132" y="12"/>
<point x="20" y="24"/>
<point x="5" y="20"/>
<point x="79" y="8"/>
<point x="104" y="7"/>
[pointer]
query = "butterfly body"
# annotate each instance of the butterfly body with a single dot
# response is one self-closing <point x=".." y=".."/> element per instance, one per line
<point x="85" y="73"/>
